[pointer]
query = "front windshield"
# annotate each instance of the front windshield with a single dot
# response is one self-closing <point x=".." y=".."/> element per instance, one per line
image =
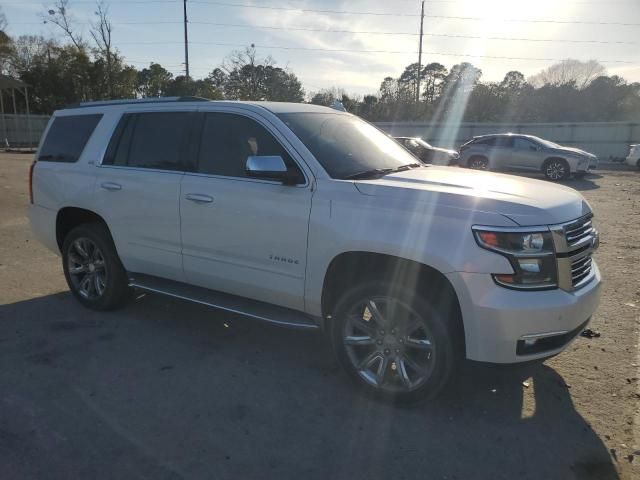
<point x="546" y="143"/>
<point x="346" y="145"/>
<point x="422" y="143"/>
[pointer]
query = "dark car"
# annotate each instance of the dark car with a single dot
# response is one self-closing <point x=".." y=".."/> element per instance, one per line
<point x="428" y="153"/>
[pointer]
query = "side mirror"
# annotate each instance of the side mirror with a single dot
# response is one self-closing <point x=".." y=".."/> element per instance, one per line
<point x="270" y="167"/>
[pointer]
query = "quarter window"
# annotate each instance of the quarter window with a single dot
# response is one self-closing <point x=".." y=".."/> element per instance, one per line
<point x="155" y="140"/>
<point x="67" y="138"/>
<point x="227" y="140"/>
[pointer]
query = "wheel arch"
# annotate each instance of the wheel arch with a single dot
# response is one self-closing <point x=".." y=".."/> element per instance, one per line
<point x="70" y="217"/>
<point x="349" y="268"/>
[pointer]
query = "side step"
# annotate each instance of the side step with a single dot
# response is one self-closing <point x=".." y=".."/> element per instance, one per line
<point x="267" y="312"/>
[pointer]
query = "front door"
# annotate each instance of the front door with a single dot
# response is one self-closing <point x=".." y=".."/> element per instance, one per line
<point x="243" y="235"/>
<point x="526" y="154"/>
<point x="138" y="187"/>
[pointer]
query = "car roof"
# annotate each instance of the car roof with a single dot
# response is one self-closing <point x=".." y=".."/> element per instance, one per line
<point x="177" y="102"/>
<point x="509" y="134"/>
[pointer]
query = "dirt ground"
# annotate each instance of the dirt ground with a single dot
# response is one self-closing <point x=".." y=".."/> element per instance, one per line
<point x="165" y="389"/>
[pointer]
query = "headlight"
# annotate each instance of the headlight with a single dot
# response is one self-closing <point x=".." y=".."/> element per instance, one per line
<point x="531" y="255"/>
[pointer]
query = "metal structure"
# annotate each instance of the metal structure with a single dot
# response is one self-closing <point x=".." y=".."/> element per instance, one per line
<point x="8" y="88"/>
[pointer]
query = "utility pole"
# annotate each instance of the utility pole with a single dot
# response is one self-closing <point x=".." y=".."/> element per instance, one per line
<point x="186" y="40"/>
<point x="419" y="55"/>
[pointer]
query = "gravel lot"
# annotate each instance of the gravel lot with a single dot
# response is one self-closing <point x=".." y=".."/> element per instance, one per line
<point x="165" y="389"/>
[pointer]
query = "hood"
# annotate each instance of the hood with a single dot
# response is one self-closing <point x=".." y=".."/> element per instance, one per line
<point x="444" y="150"/>
<point x="525" y="201"/>
<point x="574" y="150"/>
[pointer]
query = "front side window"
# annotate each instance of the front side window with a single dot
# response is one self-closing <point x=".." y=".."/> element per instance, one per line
<point x="67" y="138"/>
<point x="523" y="144"/>
<point x="345" y="145"/>
<point x="150" y="140"/>
<point x="228" y="140"/>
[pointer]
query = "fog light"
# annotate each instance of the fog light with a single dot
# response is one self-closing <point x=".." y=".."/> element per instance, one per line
<point x="530" y="342"/>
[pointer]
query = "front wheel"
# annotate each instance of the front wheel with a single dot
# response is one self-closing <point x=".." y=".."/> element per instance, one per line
<point x="478" y="163"/>
<point x="93" y="269"/>
<point x="393" y="343"/>
<point x="556" y="169"/>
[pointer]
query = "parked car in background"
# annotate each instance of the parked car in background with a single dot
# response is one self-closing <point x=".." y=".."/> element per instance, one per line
<point x="428" y="153"/>
<point x="508" y="151"/>
<point x="633" y="158"/>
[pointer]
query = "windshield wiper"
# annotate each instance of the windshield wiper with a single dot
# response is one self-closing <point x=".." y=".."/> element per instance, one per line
<point x="379" y="172"/>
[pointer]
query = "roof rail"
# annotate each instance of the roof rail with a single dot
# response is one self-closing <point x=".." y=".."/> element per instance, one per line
<point x="135" y="101"/>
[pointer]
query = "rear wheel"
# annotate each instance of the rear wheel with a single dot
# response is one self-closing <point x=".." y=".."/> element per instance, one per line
<point x="478" y="163"/>
<point x="556" y="169"/>
<point x="393" y="343"/>
<point x="92" y="268"/>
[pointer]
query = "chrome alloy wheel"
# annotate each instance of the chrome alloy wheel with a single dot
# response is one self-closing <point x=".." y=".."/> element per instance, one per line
<point x="389" y="345"/>
<point x="556" y="170"/>
<point x="478" y="164"/>
<point x="86" y="267"/>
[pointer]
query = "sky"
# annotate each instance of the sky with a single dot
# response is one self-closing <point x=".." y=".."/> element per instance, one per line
<point x="372" y="40"/>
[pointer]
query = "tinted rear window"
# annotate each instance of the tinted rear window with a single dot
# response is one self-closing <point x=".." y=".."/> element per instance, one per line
<point x="150" y="140"/>
<point x="67" y="138"/>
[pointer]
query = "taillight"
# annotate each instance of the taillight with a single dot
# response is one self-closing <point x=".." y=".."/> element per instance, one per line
<point x="31" y="181"/>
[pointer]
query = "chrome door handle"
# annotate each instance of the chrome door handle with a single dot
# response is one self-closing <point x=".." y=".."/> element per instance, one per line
<point x="199" y="198"/>
<point x="111" y="186"/>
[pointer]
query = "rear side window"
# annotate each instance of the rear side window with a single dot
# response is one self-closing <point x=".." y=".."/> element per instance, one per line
<point x="227" y="140"/>
<point x="155" y="140"/>
<point x="67" y="138"/>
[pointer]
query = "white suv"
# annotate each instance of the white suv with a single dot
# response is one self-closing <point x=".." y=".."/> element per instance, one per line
<point x="304" y="216"/>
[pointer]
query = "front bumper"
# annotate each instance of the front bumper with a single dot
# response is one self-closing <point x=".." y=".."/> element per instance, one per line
<point x="501" y="324"/>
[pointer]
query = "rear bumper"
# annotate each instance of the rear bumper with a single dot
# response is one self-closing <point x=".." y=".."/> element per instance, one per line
<point x="507" y="326"/>
<point x="43" y="226"/>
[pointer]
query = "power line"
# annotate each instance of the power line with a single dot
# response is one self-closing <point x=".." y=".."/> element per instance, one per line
<point x="362" y="32"/>
<point x="374" y="32"/>
<point x="393" y="14"/>
<point x="346" y="50"/>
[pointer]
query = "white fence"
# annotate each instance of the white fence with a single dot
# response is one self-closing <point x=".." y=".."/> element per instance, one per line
<point x="21" y="130"/>
<point x="606" y="139"/>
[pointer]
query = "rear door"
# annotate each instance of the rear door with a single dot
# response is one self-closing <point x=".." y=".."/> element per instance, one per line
<point x="243" y="235"/>
<point x="138" y="190"/>
<point x="502" y="153"/>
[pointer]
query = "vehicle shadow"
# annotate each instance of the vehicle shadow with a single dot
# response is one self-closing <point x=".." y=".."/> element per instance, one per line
<point x="168" y="389"/>
<point x="581" y="184"/>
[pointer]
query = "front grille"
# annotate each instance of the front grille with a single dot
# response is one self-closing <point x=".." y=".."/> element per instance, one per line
<point x="581" y="239"/>
<point x="576" y="233"/>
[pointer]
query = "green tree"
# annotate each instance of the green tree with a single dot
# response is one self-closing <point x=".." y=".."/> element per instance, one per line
<point x="153" y="81"/>
<point x="434" y="75"/>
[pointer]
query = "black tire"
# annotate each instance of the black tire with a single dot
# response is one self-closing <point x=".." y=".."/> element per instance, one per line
<point x="106" y="294"/>
<point x="478" y="162"/>
<point x="638" y="164"/>
<point x="556" y="169"/>
<point x="440" y="361"/>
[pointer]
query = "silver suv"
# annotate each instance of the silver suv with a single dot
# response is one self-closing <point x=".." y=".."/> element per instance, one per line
<point x="525" y="152"/>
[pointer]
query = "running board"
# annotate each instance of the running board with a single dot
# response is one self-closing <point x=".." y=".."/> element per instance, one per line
<point x="267" y="312"/>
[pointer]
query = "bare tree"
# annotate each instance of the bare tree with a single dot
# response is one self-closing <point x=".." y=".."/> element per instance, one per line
<point x="101" y="34"/>
<point x="59" y="15"/>
<point x="569" y="71"/>
<point x="3" y="21"/>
